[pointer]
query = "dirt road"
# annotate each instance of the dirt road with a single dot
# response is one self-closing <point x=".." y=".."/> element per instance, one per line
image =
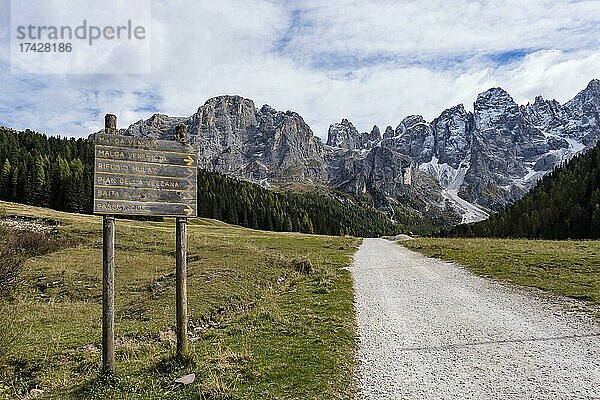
<point x="432" y="330"/>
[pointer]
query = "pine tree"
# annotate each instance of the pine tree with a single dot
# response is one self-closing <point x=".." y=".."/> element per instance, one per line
<point x="287" y="225"/>
<point x="6" y="180"/>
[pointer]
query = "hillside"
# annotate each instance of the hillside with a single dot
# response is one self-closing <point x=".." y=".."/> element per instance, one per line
<point x="419" y="177"/>
<point x="564" y="204"/>
<point x="271" y="314"/>
<point x="57" y="173"/>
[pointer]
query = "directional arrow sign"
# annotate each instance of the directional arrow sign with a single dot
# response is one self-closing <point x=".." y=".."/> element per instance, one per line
<point x="188" y="195"/>
<point x="144" y="208"/>
<point x="152" y="156"/>
<point x="137" y="176"/>
<point x="104" y="192"/>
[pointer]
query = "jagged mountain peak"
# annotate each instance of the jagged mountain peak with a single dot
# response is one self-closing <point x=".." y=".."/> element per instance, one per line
<point x="592" y="90"/>
<point x="157" y="126"/>
<point x="409" y="123"/>
<point x="389" y="132"/>
<point x="457" y="109"/>
<point x="411" y="120"/>
<point x="344" y="123"/>
<point x="368" y="140"/>
<point x="343" y="135"/>
<point x="158" y="117"/>
<point x="267" y="109"/>
<point x="228" y="100"/>
<point x="588" y="99"/>
<point x="494" y="97"/>
<point x="495" y="109"/>
<point x="488" y="157"/>
<point x="594" y="85"/>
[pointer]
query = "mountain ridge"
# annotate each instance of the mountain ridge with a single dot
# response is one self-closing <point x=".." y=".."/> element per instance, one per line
<point x="469" y="162"/>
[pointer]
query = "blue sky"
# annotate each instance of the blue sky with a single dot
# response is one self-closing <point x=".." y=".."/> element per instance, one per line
<point x="373" y="62"/>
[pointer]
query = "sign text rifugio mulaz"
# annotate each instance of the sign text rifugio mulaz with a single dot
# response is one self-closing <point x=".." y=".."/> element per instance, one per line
<point x="139" y="176"/>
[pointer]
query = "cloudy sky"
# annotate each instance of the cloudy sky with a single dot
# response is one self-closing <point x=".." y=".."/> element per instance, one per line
<point x="373" y="62"/>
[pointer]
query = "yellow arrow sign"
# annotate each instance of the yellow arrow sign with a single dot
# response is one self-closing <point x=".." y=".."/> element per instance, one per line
<point x="188" y="210"/>
<point x="189" y="160"/>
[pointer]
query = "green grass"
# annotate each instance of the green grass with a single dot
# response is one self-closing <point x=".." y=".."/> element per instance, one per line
<point x="260" y="328"/>
<point x="566" y="268"/>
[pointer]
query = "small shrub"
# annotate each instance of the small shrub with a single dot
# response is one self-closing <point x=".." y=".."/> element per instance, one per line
<point x="11" y="264"/>
<point x="216" y="388"/>
<point x="16" y="246"/>
<point x="304" y="267"/>
<point x="31" y="243"/>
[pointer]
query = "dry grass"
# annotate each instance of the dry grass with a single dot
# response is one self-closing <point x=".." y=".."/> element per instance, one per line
<point x="271" y="314"/>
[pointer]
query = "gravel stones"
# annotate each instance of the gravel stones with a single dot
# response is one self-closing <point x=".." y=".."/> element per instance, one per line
<point x="430" y="330"/>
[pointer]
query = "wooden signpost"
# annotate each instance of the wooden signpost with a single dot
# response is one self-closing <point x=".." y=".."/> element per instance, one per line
<point x="139" y="176"/>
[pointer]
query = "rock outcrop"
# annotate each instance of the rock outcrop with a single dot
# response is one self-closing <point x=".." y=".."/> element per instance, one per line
<point x="473" y="161"/>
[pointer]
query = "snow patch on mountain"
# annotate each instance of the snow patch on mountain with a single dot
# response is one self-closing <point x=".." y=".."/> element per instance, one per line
<point x="451" y="179"/>
<point x="470" y="212"/>
<point x="447" y="176"/>
<point x="574" y="145"/>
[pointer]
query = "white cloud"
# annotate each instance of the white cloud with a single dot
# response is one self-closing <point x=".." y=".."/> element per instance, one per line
<point x="552" y="73"/>
<point x="371" y="62"/>
<point x="440" y="28"/>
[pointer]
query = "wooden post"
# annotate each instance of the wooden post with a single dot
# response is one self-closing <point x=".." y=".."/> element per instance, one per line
<point x="108" y="277"/>
<point x="181" y="135"/>
<point x="181" y="288"/>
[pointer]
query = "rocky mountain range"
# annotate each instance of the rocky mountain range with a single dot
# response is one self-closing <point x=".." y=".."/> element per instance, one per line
<point x="468" y="163"/>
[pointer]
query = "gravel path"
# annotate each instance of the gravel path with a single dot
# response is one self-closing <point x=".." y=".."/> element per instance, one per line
<point x="432" y="330"/>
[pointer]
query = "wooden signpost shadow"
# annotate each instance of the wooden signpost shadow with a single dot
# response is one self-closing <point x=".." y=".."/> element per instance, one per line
<point x="134" y="176"/>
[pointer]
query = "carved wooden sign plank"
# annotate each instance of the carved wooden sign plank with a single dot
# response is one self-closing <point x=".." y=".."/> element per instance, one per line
<point x="138" y="176"/>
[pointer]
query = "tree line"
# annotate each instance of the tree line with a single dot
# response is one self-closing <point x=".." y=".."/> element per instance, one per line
<point x="243" y="203"/>
<point x="46" y="171"/>
<point x="565" y="204"/>
<point x="57" y="173"/>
